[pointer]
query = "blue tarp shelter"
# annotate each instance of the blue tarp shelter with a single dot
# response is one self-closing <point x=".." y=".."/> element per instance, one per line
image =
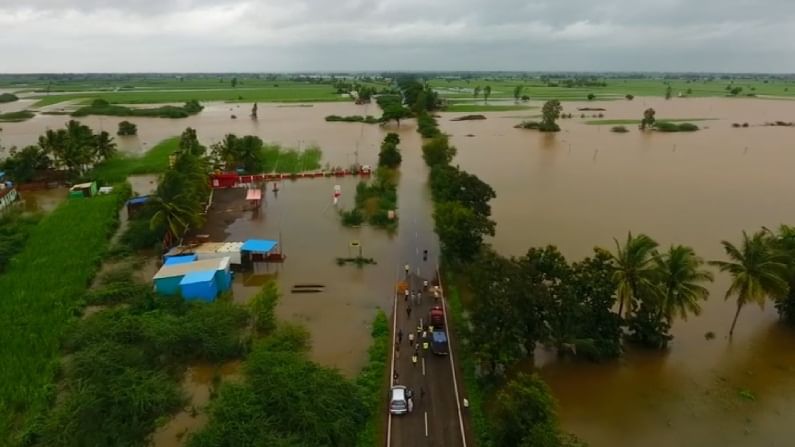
<point x="199" y="286"/>
<point x="183" y="259"/>
<point x="140" y="200"/>
<point x="259" y="245"/>
<point x="169" y="277"/>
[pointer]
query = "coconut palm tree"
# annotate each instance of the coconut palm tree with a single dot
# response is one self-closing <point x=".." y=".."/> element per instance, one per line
<point x="172" y="215"/>
<point x="680" y="279"/>
<point x="757" y="271"/>
<point x="104" y="147"/>
<point x="633" y="270"/>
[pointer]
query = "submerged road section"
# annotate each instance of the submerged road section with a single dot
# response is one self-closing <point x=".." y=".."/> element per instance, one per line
<point x="436" y="419"/>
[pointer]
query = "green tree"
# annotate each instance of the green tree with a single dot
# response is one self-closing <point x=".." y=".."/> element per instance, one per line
<point x="461" y="230"/>
<point x="591" y="96"/>
<point x="630" y="97"/>
<point x="783" y="241"/>
<point x="476" y="92"/>
<point x="104" y="146"/>
<point x="668" y="92"/>
<point x="525" y="414"/>
<point x="648" y="120"/>
<point x="395" y="112"/>
<point x="254" y="111"/>
<point x="171" y="215"/>
<point x="127" y="128"/>
<point x="486" y="93"/>
<point x="517" y="92"/>
<point x="633" y="271"/>
<point x="438" y="150"/>
<point x="451" y="184"/>
<point x="23" y="165"/>
<point x="249" y="152"/>
<point x="227" y="150"/>
<point x="189" y="143"/>
<point x="550" y="112"/>
<point x="389" y="156"/>
<point x="680" y="282"/>
<point x="757" y="272"/>
<point x="234" y="82"/>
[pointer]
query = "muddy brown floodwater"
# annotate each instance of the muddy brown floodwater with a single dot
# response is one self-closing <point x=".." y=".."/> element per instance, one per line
<point x="575" y="189"/>
<point x="585" y="185"/>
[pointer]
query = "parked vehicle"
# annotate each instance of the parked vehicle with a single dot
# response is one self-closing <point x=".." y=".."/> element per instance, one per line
<point x="439" y="344"/>
<point x="436" y="317"/>
<point x="398" y="400"/>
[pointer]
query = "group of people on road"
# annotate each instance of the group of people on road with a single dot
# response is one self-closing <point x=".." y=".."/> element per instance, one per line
<point x="419" y="340"/>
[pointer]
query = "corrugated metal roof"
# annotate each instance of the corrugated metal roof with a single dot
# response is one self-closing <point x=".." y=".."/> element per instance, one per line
<point x="259" y="245"/>
<point x="169" y="271"/>
<point x="176" y="260"/>
<point x="198" y="277"/>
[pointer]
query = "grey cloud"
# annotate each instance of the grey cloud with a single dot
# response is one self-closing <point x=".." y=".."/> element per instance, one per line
<point x="272" y="35"/>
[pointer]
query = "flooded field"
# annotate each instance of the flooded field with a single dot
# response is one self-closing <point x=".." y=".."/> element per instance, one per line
<point x="575" y="189"/>
<point x="584" y="186"/>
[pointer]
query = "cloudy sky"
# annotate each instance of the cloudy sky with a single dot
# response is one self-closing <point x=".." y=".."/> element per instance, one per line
<point x="298" y="35"/>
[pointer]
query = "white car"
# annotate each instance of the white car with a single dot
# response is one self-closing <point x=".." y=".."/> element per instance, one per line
<point x="398" y="400"/>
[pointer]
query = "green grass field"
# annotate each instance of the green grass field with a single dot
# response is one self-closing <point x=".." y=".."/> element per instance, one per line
<point x="623" y="122"/>
<point x="486" y="107"/>
<point x="615" y="89"/>
<point x="154" y="161"/>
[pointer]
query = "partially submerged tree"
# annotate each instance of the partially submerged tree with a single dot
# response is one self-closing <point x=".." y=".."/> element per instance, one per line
<point x="648" y="120"/>
<point x="517" y="92"/>
<point x="550" y="112"/>
<point x="486" y="93"/>
<point x="757" y="272"/>
<point x="127" y="128"/>
<point x="633" y="272"/>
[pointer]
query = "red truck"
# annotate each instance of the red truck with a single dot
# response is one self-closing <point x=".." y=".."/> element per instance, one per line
<point x="436" y="317"/>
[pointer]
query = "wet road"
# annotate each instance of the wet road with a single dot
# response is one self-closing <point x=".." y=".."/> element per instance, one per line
<point x="436" y="417"/>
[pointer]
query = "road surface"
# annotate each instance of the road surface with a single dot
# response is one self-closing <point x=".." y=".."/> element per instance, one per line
<point x="437" y="418"/>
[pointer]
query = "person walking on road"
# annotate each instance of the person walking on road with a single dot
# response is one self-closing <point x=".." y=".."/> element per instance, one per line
<point x="408" y="311"/>
<point x="414" y="359"/>
<point x="406" y="268"/>
<point x="411" y="338"/>
<point x="425" y="346"/>
<point x="406" y="295"/>
<point x="425" y="285"/>
<point x="400" y="336"/>
<point x="395" y="376"/>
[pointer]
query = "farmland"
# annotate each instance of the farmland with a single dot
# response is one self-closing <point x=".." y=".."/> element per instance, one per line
<point x="41" y="290"/>
<point x="615" y="88"/>
<point x="153" y="162"/>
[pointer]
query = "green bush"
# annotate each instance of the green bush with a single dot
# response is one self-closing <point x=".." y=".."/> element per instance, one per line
<point x="16" y="117"/>
<point x="8" y="97"/>
<point x="665" y="126"/>
<point x="619" y="129"/>
<point x="102" y="107"/>
<point x="372" y="380"/>
<point x="369" y="119"/>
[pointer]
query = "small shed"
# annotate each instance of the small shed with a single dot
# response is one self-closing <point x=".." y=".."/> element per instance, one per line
<point x="223" y="275"/>
<point x="83" y="190"/>
<point x="135" y="204"/>
<point x="199" y="286"/>
<point x="254" y="197"/>
<point x="258" y="250"/>
<point x="182" y="259"/>
<point x="168" y="278"/>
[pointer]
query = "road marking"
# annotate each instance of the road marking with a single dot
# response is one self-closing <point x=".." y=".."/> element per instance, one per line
<point x="423" y="366"/>
<point x="392" y="372"/>
<point x="426" y="424"/>
<point x="452" y="363"/>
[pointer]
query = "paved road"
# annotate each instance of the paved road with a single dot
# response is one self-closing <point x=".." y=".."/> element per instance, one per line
<point x="435" y="420"/>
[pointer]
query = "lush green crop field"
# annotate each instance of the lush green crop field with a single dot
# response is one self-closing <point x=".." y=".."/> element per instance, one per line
<point x="615" y="89"/>
<point x="153" y="162"/>
<point x="287" y="93"/>
<point x="40" y="290"/>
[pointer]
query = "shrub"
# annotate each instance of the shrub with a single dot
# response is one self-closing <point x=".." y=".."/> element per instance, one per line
<point x="630" y="97"/>
<point x="127" y="128"/>
<point x="665" y="126"/>
<point x="745" y="124"/>
<point x="8" y="97"/>
<point x="619" y="129"/>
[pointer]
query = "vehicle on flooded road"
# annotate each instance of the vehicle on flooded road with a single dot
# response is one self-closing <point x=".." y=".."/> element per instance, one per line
<point x="398" y="400"/>
<point x="439" y="343"/>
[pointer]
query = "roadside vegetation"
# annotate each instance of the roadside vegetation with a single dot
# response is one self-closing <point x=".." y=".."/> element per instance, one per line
<point x="103" y="107"/>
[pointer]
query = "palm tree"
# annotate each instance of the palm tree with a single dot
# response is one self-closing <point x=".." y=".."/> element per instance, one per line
<point x="486" y="93"/>
<point x="680" y="282"/>
<point x="757" y="271"/>
<point x="104" y="147"/>
<point x="632" y="268"/>
<point x="174" y="217"/>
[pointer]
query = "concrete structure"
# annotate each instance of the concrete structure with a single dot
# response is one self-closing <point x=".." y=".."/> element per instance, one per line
<point x="167" y="280"/>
